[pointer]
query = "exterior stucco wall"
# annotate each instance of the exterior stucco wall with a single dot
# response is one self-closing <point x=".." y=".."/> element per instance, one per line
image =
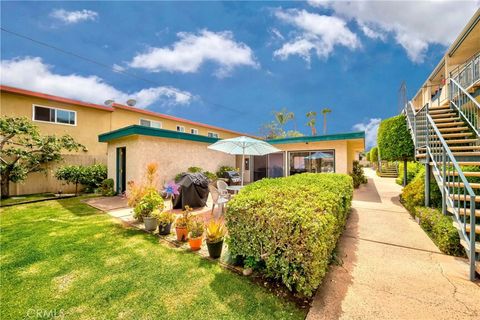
<point x="172" y="156"/>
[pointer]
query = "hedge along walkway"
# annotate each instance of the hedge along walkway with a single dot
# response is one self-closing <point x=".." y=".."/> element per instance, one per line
<point x="391" y="269"/>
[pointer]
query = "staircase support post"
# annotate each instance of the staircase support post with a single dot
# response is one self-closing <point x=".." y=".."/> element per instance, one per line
<point x="444" y="182"/>
<point x="427" y="182"/>
<point x="472" y="255"/>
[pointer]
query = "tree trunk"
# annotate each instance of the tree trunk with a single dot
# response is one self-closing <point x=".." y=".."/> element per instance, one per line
<point x="324" y="124"/>
<point x="5" y="186"/>
<point x="405" y="172"/>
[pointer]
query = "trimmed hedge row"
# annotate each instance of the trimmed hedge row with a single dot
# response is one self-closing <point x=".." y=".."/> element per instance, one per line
<point x="290" y="226"/>
<point x="441" y="230"/>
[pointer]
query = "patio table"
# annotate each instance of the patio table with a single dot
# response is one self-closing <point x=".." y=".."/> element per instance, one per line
<point x="235" y="189"/>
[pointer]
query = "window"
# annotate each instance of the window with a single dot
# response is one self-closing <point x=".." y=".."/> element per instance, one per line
<point x="312" y="161"/>
<point x="54" y="115"/>
<point x="193" y="131"/>
<point x="180" y="128"/>
<point x="213" y="135"/>
<point x="150" y="123"/>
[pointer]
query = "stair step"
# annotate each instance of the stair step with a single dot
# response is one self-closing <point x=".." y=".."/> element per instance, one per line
<point x="450" y="124"/>
<point x="461" y="211"/>
<point x="460" y="185"/>
<point x="477" y="249"/>
<point x="456" y="153"/>
<point x="466" y="174"/>
<point x="442" y="115"/>
<point x="457" y="135"/>
<point x="454" y="129"/>
<point x="441" y="107"/>
<point x="436" y="111"/>
<point x="465" y="148"/>
<point x="460" y="141"/>
<point x="439" y="120"/>
<point x="467" y="227"/>
<point x="462" y="197"/>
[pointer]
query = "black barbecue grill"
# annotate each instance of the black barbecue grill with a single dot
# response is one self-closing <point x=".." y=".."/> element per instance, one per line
<point x="232" y="177"/>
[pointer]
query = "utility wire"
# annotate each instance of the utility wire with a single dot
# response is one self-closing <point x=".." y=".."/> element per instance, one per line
<point x="112" y="69"/>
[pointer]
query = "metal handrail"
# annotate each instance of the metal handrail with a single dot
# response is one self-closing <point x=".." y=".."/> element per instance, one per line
<point x="466" y="105"/>
<point x="462" y="75"/>
<point x="454" y="185"/>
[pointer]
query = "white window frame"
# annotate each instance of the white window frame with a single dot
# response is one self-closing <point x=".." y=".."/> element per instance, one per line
<point x="179" y="127"/>
<point x="55" y="118"/>
<point x="151" y="121"/>
<point x="194" y="131"/>
<point x="213" y="134"/>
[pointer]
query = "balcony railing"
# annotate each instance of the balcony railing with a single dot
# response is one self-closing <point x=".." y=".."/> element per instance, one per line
<point x="468" y="73"/>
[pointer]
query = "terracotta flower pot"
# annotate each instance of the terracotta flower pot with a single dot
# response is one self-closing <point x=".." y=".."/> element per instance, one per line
<point x="182" y="233"/>
<point x="195" y="243"/>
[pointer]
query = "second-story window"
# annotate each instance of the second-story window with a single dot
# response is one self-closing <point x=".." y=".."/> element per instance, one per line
<point x="213" y="135"/>
<point x="180" y="128"/>
<point x="54" y="115"/>
<point x="151" y="123"/>
<point x="193" y="131"/>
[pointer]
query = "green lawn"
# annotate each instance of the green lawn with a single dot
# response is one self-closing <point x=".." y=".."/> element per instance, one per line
<point x="30" y="197"/>
<point x="68" y="257"/>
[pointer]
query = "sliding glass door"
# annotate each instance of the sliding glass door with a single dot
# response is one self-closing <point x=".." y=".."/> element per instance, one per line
<point x="271" y="166"/>
<point x="312" y="161"/>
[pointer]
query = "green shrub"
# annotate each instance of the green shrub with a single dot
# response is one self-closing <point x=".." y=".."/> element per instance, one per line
<point x="413" y="194"/>
<point x="223" y="169"/>
<point x="148" y="203"/>
<point x="367" y="156"/>
<point x="412" y="169"/>
<point x="357" y="175"/>
<point x="71" y="175"/>
<point x="194" y="169"/>
<point x="94" y="176"/>
<point x="210" y="175"/>
<point x="374" y="154"/>
<point x="107" y="188"/>
<point x="291" y="225"/>
<point x="441" y="230"/>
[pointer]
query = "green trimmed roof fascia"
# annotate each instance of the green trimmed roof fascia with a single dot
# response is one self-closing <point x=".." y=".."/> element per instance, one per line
<point x="330" y="137"/>
<point x="153" y="132"/>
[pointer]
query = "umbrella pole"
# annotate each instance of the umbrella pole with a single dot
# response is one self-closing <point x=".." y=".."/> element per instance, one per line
<point x="243" y="163"/>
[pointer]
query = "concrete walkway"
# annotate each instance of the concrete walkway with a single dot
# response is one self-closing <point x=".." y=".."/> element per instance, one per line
<point x="391" y="269"/>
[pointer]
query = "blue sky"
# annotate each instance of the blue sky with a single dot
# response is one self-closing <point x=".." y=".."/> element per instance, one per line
<point x="231" y="64"/>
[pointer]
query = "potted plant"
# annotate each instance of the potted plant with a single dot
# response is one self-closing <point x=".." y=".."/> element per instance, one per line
<point x="196" y="234"/>
<point x="215" y="230"/>
<point x="181" y="224"/>
<point x="164" y="220"/>
<point x="145" y="207"/>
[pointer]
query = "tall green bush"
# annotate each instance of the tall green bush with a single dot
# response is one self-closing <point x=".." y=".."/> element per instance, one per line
<point x="89" y="176"/>
<point x="367" y="156"/>
<point x="412" y="169"/>
<point x="374" y="154"/>
<point x="358" y="175"/>
<point x="395" y="141"/>
<point x="413" y="194"/>
<point x="291" y="225"/>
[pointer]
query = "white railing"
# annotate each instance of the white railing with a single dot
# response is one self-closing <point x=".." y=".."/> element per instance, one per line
<point x="468" y="73"/>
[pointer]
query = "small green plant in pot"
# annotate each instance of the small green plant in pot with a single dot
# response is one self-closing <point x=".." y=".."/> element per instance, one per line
<point x="196" y="234"/>
<point x="150" y="202"/>
<point x="215" y="230"/>
<point x="182" y="223"/>
<point x="165" y="220"/>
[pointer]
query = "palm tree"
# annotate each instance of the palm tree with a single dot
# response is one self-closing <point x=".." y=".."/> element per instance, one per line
<point x="325" y="111"/>
<point x="312" y="120"/>
<point x="282" y="117"/>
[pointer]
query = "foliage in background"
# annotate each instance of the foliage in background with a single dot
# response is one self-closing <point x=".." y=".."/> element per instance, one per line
<point x="412" y="169"/>
<point x="194" y="169"/>
<point x="413" y="194"/>
<point x="149" y="202"/>
<point x="71" y="175"/>
<point x="224" y="169"/>
<point x="276" y="129"/>
<point x="374" y="155"/>
<point x="325" y="111"/>
<point x="441" y="230"/>
<point x="312" y="121"/>
<point x="23" y="150"/>
<point x="291" y="224"/>
<point x="357" y="174"/>
<point x="367" y="156"/>
<point x="395" y="142"/>
<point x="89" y="176"/>
<point x="107" y="188"/>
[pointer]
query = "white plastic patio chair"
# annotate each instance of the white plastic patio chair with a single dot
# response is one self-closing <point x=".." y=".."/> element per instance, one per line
<point x="217" y="199"/>
<point x="222" y="188"/>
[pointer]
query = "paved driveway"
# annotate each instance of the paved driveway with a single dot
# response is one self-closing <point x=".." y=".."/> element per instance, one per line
<point x="391" y="269"/>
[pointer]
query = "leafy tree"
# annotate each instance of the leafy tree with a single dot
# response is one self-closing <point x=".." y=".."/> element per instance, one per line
<point x="325" y="111"/>
<point x="395" y="141"/>
<point x="374" y="155"/>
<point x="276" y="128"/>
<point x="368" y="156"/>
<point x="72" y="174"/>
<point x="312" y="120"/>
<point x="282" y="117"/>
<point x="24" y="150"/>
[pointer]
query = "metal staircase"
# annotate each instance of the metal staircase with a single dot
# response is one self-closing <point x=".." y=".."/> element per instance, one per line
<point x="446" y="139"/>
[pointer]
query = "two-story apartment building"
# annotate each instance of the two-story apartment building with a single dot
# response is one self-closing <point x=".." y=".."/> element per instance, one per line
<point x="85" y="122"/>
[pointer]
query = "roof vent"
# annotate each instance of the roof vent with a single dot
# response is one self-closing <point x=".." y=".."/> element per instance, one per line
<point x="108" y="102"/>
<point x="131" y="102"/>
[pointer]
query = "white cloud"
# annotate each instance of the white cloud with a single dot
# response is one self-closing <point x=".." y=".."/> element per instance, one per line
<point x="414" y="24"/>
<point x="72" y="17"/>
<point x="316" y="32"/>
<point x="32" y="74"/>
<point x="371" y="129"/>
<point x="192" y="50"/>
